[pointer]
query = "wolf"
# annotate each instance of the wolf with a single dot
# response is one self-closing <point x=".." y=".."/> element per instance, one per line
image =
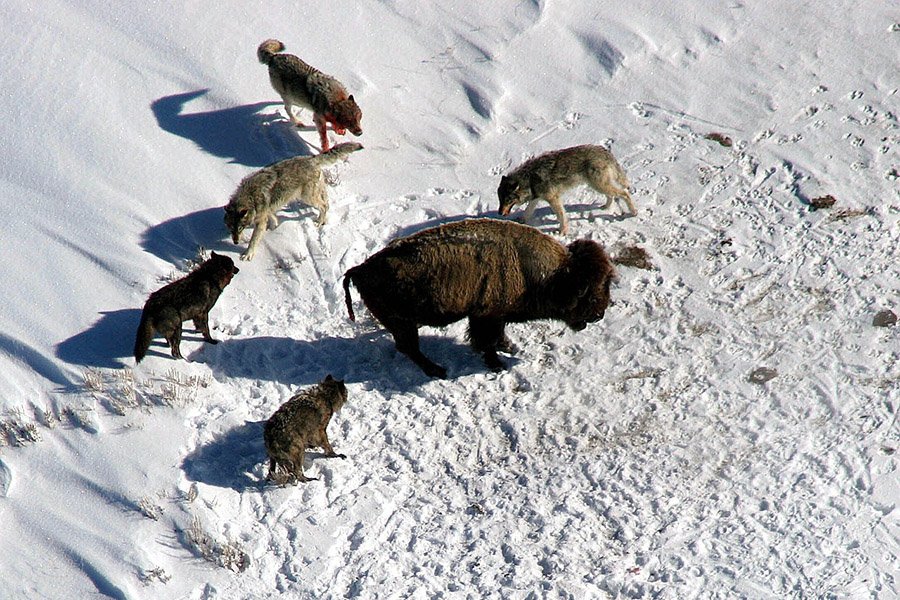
<point x="300" y="84"/>
<point x="300" y="424"/>
<point x="263" y="193"/>
<point x="550" y="174"/>
<point x="191" y="297"/>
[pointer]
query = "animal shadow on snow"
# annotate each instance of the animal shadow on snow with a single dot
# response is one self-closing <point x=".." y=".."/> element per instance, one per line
<point x="544" y="219"/>
<point x="105" y="343"/>
<point x="240" y="133"/>
<point x="228" y="460"/>
<point x="369" y="357"/>
<point x="179" y="238"/>
<point x="411" y="229"/>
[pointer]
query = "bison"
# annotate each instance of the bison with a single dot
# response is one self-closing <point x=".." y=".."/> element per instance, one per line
<point x="492" y="272"/>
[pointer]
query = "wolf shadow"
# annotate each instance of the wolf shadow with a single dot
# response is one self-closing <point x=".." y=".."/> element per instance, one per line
<point x="227" y="460"/>
<point x="179" y="238"/>
<point x="105" y="343"/>
<point x="239" y="133"/>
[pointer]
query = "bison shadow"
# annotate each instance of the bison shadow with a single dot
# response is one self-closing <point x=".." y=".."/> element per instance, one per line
<point x="179" y="238"/>
<point x="228" y="460"/>
<point x="239" y="133"/>
<point x="105" y="343"/>
<point x="368" y="357"/>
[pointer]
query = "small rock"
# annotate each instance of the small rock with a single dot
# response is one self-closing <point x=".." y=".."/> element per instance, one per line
<point x="822" y="202"/>
<point x="885" y="318"/>
<point x="721" y="139"/>
<point x="762" y="375"/>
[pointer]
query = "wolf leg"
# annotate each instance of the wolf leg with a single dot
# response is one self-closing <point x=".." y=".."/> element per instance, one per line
<point x="529" y="210"/>
<point x="289" y="109"/>
<point x="174" y="340"/>
<point x="258" y="232"/>
<point x="320" y="122"/>
<point x="201" y="324"/>
<point x="557" y="206"/>
<point x="326" y="445"/>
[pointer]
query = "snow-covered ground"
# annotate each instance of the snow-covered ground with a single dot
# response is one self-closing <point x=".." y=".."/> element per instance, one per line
<point x="639" y="458"/>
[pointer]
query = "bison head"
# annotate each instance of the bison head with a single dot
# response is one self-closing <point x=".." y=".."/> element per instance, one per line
<point x="581" y="289"/>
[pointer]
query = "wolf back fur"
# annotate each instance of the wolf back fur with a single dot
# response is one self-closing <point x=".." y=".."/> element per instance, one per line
<point x="549" y="175"/>
<point x="300" y="84"/>
<point x="191" y="297"/>
<point x="490" y="271"/>
<point x="299" y="424"/>
<point x="262" y="194"/>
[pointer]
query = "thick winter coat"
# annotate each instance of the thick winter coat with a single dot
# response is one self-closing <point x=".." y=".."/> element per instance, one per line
<point x="189" y="298"/>
<point x="299" y="424"/>
<point x="489" y="271"/>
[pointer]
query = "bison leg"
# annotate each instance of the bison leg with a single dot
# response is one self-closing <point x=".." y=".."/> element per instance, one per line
<point x="486" y="336"/>
<point x="406" y="338"/>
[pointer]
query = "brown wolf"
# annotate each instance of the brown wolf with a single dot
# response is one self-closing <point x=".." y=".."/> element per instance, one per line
<point x="263" y="193"/>
<point x="191" y="297"/>
<point x="550" y="174"/>
<point x="301" y="85"/>
<point x="493" y="272"/>
<point x="300" y="424"/>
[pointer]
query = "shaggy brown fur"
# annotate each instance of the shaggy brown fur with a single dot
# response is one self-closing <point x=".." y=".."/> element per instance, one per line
<point x="191" y="297"/>
<point x="492" y="272"/>
<point x="300" y="424"/>
<point x="300" y="84"/>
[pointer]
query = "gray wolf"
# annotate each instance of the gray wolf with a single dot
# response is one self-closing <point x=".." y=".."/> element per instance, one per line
<point x="494" y="272"/>
<point x="191" y="297"/>
<point x="300" y="424"/>
<point x="263" y="193"/>
<point x="549" y="175"/>
<point x="301" y="85"/>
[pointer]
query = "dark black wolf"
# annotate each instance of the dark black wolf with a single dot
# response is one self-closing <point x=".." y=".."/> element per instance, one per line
<point x="191" y="297"/>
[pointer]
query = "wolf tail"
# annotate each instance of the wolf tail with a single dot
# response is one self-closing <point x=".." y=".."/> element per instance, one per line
<point x="337" y="153"/>
<point x="143" y="338"/>
<point x="348" y="277"/>
<point x="267" y="50"/>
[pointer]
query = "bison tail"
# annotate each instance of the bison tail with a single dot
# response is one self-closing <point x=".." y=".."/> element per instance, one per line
<point x="347" y="280"/>
<point x="143" y="338"/>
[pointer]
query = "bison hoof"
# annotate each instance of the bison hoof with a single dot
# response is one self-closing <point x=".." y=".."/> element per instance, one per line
<point x="435" y="371"/>
<point x="494" y="363"/>
<point x="506" y="345"/>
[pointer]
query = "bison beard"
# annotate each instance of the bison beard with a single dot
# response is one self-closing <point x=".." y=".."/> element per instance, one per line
<point x="491" y="272"/>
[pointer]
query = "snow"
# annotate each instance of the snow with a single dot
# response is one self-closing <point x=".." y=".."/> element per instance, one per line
<point x="634" y="459"/>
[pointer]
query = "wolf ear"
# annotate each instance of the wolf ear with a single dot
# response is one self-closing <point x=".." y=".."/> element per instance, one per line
<point x="329" y="377"/>
<point x="351" y="98"/>
<point x="213" y="254"/>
